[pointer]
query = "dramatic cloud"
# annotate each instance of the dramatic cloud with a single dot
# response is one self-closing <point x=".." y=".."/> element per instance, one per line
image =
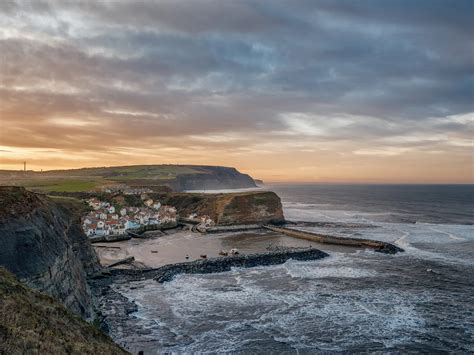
<point x="284" y="90"/>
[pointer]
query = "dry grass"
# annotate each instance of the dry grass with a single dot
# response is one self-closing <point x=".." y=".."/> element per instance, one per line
<point x="33" y="323"/>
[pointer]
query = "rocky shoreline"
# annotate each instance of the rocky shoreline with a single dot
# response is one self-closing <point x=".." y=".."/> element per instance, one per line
<point x="114" y="310"/>
<point x="206" y="266"/>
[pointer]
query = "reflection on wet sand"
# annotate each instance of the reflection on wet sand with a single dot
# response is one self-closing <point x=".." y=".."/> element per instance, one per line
<point x="187" y="246"/>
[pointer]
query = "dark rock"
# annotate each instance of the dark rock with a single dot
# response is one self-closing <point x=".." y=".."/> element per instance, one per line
<point x="212" y="178"/>
<point x="42" y="243"/>
<point x="221" y="264"/>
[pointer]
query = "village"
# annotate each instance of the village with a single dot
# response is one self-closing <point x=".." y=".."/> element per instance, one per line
<point x="106" y="219"/>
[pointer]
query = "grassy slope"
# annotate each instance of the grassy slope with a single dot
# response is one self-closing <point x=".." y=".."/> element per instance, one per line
<point x="78" y="180"/>
<point x="31" y="322"/>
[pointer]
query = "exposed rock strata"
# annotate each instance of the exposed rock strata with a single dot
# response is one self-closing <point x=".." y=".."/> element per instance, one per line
<point x="42" y="243"/>
<point x="231" y="208"/>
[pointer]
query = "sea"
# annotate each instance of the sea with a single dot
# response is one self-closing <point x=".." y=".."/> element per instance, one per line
<point x="419" y="301"/>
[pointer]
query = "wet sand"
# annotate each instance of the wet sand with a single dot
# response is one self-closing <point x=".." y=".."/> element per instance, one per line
<point x="174" y="248"/>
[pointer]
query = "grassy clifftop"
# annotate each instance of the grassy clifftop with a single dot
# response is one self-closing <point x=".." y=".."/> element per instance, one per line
<point x="178" y="177"/>
<point x="31" y="322"/>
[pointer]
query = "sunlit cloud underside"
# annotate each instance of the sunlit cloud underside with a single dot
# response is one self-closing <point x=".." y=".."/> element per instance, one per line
<point x="283" y="90"/>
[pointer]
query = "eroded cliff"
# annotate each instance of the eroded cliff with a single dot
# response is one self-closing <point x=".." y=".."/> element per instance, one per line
<point x="41" y="242"/>
<point x="231" y="208"/>
<point x="212" y="178"/>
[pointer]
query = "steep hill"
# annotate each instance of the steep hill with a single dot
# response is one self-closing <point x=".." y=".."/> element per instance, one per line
<point x="34" y="323"/>
<point x="230" y="208"/>
<point x="178" y="177"/>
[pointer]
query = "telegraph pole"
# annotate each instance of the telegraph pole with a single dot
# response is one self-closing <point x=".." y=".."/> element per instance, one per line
<point x="24" y="166"/>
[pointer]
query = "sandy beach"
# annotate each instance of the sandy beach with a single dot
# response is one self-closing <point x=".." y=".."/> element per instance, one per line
<point x="173" y="248"/>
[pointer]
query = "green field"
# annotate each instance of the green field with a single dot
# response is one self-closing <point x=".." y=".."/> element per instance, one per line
<point x="63" y="185"/>
<point x="90" y="179"/>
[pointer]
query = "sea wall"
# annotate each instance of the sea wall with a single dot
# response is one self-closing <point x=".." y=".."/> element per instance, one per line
<point x="377" y="245"/>
<point x="42" y="243"/>
<point x="221" y="264"/>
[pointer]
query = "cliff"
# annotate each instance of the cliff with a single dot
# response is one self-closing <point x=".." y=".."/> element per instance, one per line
<point x="227" y="209"/>
<point x="156" y="177"/>
<point x="31" y="323"/>
<point x="42" y="243"/>
<point x="212" y="178"/>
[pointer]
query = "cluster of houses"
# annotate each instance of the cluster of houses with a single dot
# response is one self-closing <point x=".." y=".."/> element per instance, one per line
<point x="105" y="219"/>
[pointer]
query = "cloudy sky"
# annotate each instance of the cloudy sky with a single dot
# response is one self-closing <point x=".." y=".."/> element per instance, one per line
<point x="330" y="91"/>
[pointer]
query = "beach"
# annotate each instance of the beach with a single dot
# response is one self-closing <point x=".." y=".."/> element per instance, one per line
<point x="173" y="248"/>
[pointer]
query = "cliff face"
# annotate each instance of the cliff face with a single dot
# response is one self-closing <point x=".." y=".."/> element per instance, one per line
<point x="41" y="242"/>
<point x="212" y="178"/>
<point x="228" y="209"/>
<point x="34" y="323"/>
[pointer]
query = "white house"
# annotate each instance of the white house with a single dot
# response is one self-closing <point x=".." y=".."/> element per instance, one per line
<point x="123" y="212"/>
<point x="120" y="229"/>
<point x="156" y="205"/>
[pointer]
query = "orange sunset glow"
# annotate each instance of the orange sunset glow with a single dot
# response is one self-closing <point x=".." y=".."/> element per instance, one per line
<point x="323" y="99"/>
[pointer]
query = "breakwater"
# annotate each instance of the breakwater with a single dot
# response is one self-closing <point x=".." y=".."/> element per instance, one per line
<point x="377" y="245"/>
<point x="222" y="264"/>
<point x="231" y="229"/>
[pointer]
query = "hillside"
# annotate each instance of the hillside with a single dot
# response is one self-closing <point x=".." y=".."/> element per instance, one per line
<point x="177" y="177"/>
<point x="32" y="323"/>
<point x="230" y="208"/>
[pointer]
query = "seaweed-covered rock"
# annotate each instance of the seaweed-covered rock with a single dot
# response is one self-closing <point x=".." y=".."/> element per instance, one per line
<point x="221" y="264"/>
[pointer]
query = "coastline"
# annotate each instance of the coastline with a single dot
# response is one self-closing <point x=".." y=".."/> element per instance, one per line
<point x="114" y="309"/>
<point x="186" y="246"/>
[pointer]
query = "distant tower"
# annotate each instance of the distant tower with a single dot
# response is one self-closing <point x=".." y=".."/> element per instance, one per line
<point x="24" y="166"/>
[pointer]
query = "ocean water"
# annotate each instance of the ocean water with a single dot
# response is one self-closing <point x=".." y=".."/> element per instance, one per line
<point x="418" y="301"/>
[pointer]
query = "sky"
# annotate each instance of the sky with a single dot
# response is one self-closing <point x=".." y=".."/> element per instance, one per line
<point x="301" y="91"/>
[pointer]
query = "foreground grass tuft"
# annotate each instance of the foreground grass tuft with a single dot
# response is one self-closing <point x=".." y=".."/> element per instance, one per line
<point x="34" y="323"/>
